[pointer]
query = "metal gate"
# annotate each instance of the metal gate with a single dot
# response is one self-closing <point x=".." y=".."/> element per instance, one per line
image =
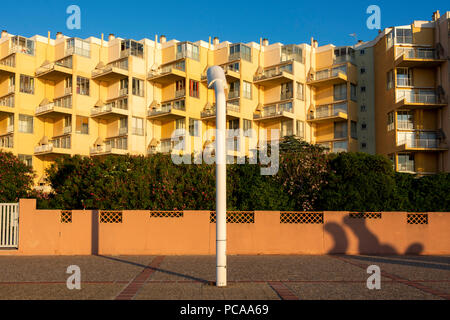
<point x="9" y="225"/>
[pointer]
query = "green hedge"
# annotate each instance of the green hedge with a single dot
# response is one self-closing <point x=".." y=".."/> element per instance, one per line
<point x="307" y="179"/>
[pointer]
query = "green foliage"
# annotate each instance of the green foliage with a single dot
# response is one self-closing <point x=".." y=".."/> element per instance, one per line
<point x="358" y="182"/>
<point x="16" y="178"/>
<point x="307" y="179"/>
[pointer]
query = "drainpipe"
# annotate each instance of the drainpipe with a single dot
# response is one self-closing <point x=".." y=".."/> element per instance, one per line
<point x="217" y="80"/>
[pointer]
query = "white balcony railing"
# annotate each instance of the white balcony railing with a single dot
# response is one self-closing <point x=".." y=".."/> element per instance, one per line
<point x="43" y="148"/>
<point x="274" y="110"/>
<point x="45" y="108"/>
<point x="67" y="129"/>
<point x="10" y="128"/>
<point x="328" y="111"/>
<point x="416" y="53"/>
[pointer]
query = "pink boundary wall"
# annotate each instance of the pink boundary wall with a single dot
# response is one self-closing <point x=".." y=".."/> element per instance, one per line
<point x="42" y="233"/>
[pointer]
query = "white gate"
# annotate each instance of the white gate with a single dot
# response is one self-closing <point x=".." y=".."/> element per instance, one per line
<point x="9" y="225"/>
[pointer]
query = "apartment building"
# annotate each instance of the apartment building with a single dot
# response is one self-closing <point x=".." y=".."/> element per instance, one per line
<point x="411" y="95"/>
<point x="97" y="96"/>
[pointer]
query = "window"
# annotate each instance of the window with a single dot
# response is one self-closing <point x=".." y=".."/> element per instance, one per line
<point x="194" y="129"/>
<point x="82" y="86"/>
<point x="82" y="125"/>
<point x="300" y="91"/>
<point x="26" y="84"/>
<point x="362" y="52"/>
<point x="286" y="91"/>
<point x="340" y="91"/>
<point x="291" y="52"/>
<point x="68" y="85"/>
<point x="12" y="82"/>
<point x="247" y="89"/>
<point x="300" y="129"/>
<point x="137" y="126"/>
<point x="363" y="145"/>
<point x="240" y="51"/>
<point x="123" y="87"/>
<point x="389" y="80"/>
<point x="405" y="120"/>
<point x="194" y="88"/>
<point x="234" y="90"/>
<point x="78" y="46"/>
<point x="403" y="36"/>
<point x="363" y="126"/>
<point x="404" y="77"/>
<point x="390" y="121"/>
<point x="353" y="130"/>
<point x="28" y="160"/>
<point x="340" y="129"/>
<point x="25" y="123"/>
<point x="188" y="50"/>
<point x="362" y="70"/>
<point x="363" y="108"/>
<point x="138" y="87"/>
<point x="123" y="125"/>
<point x="343" y="54"/>
<point x="180" y="88"/>
<point x="406" y="162"/>
<point x="22" y="45"/>
<point x="389" y="39"/>
<point x="131" y="47"/>
<point x="287" y="128"/>
<point x="68" y="122"/>
<point x="247" y="128"/>
<point x="180" y="124"/>
<point x="353" y="91"/>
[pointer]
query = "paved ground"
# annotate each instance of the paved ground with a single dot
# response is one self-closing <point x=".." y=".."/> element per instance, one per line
<point x="250" y="277"/>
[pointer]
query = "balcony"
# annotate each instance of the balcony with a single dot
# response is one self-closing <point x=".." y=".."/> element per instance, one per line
<point x="417" y="99"/>
<point x="57" y="146"/>
<point x="232" y="112"/>
<point x="7" y="65"/>
<point x="111" y="72"/>
<point x="7" y="103"/>
<point x="328" y="77"/>
<point x="111" y="110"/>
<point x="168" y="73"/>
<point x="334" y="146"/>
<point x="325" y="113"/>
<point x="275" y="112"/>
<point x="168" y="111"/>
<point x="416" y="57"/>
<point x="419" y="144"/>
<point x="55" y="109"/>
<point x="118" y="146"/>
<point x="275" y="76"/>
<point x="55" y="71"/>
<point x="7" y="140"/>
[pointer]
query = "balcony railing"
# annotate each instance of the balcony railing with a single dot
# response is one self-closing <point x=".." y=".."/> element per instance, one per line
<point x="329" y="73"/>
<point x="63" y="102"/>
<point x="67" y="129"/>
<point x="344" y="58"/>
<point x="404" y="124"/>
<point x="416" y="53"/>
<point x="121" y="64"/>
<point x="21" y="49"/>
<point x="10" y="128"/>
<point x="274" y="110"/>
<point x="108" y="108"/>
<point x="167" y="108"/>
<point x="137" y="131"/>
<point x="404" y="82"/>
<point x="100" y="149"/>
<point x="180" y="93"/>
<point x="417" y="97"/>
<point x="212" y="111"/>
<point x="11" y="89"/>
<point x="78" y="51"/>
<point x="233" y="94"/>
<point x="61" y="142"/>
<point x="9" y="61"/>
<point x="51" y="66"/>
<point x="123" y="131"/>
<point x="274" y="72"/>
<point x="405" y="167"/>
<point x="43" y="148"/>
<point x="420" y="143"/>
<point x="180" y="65"/>
<point x="7" y="101"/>
<point x="328" y="111"/>
<point x="286" y="95"/>
<point x="7" y="141"/>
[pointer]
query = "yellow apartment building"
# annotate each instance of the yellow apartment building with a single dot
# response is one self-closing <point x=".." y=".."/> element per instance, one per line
<point x="411" y="95"/>
<point x="95" y="96"/>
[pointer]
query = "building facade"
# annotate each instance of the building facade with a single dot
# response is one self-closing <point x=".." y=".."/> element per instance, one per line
<point x="93" y="97"/>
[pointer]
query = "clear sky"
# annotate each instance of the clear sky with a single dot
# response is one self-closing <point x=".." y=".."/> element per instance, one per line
<point x="236" y="21"/>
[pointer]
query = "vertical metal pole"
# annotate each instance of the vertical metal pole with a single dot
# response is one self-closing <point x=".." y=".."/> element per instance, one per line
<point x="216" y="78"/>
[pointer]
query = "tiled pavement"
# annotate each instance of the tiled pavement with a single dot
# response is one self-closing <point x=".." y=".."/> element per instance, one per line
<point x="249" y="277"/>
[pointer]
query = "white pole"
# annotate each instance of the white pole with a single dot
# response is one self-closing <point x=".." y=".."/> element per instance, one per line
<point x="216" y="79"/>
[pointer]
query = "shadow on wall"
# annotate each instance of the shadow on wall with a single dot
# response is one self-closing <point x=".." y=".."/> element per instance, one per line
<point x="368" y="243"/>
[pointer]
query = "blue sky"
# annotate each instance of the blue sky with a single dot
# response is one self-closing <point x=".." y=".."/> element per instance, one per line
<point x="237" y="21"/>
